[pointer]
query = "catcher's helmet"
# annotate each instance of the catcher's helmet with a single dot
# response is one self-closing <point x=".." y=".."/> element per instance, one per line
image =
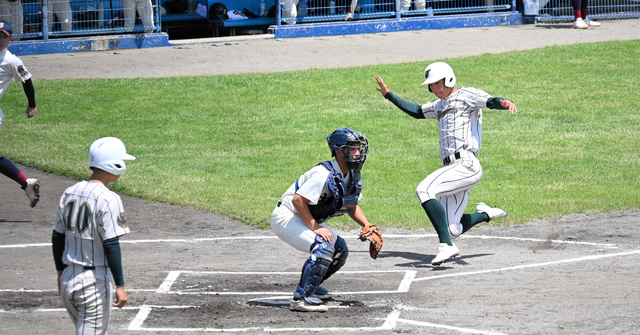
<point x="439" y="70"/>
<point x="109" y="154"/>
<point x="344" y="138"/>
<point x="218" y="11"/>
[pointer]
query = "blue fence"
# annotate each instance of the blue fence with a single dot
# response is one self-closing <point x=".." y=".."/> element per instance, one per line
<point x="63" y="18"/>
<point x="42" y="19"/>
<point x="562" y="10"/>
<point x="302" y="11"/>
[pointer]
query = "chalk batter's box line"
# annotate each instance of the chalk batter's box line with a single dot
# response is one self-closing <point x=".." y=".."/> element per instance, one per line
<point x="392" y="318"/>
<point x="165" y="287"/>
<point x="136" y="325"/>
<point x="390" y="236"/>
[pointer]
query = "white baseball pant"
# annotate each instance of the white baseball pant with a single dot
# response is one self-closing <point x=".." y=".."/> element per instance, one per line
<point x="451" y="185"/>
<point x="12" y="13"/>
<point x="291" y="229"/>
<point x="406" y="4"/>
<point x="143" y="7"/>
<point x="87" y="296"/>
<point x="62" y="10"/>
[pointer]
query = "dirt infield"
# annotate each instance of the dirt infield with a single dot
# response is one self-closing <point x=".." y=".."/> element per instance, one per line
<point x="190" y="271"/>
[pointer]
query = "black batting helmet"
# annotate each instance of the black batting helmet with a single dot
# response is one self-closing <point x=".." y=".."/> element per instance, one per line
<point x="218" y="11"/>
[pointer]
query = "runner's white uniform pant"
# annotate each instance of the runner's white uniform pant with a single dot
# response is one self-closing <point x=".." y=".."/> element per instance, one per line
<point x="291" y="229"/>
<point x="87" y="296"/>
<point x="452" y="185"/>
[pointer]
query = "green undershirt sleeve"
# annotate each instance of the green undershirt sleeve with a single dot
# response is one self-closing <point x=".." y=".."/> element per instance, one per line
<point x="57" y="242"/>
<point x="494" y="103"/>
<point x="406" y="106"/>
<point x="114" y="259"/>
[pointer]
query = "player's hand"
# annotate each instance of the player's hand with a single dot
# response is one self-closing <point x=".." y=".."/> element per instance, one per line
<point x="121" y="297"/>
<point x="383" y="87"/>
<point x="31" y="112"/>
<point x="510" y="105"/>
<point x="325" y="234"/>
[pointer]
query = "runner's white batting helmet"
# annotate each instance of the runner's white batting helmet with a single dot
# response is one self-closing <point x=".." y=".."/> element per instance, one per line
<point x="439" y="70"/>
<point x="109" y="154"/>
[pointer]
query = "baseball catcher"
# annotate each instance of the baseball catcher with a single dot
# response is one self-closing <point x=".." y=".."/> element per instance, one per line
<point x="330" y="189"/>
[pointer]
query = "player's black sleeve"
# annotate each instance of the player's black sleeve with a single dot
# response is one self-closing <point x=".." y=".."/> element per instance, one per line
<point x="494" y="103"/>
<point x="57" y="241"/>
<point x="114" y="259"/>
<point x="30" y="92"/>
<point x="406" y="106"/>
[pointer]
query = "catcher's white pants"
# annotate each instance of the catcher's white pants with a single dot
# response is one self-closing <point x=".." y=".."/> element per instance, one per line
<point x="451" y="185"/>
<point x="12" y="13"/>
<point x="62" y="10"/>
<point x="143" y="7"/>
<point x="291" y="229"/>
<point x="87" y="296"/>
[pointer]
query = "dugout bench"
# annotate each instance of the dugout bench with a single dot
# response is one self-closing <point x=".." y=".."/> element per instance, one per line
<point x="258" y="22"/>
<point x="261" y="23"/>
<point x="175" y="20"/>
<point x="182" y="20"/>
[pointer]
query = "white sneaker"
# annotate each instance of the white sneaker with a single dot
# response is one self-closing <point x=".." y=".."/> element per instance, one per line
<point x="33" y="191"/>
<point x="349" y="17"/>
<point x="322" y="293"/>
<point x="493" y="212"/>
<point x="445" y="253"/>
<point x="580" y="24"/>
<point x="308" y="305"/>
<point x="591" y="23"/>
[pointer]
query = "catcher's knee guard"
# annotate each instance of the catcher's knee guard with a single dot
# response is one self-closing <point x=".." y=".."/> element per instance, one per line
<point x="339" y="257"/>
<point x="315" y="268"/>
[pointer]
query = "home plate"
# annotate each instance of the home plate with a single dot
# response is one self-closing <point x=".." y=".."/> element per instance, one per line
<point x="282" y="302"/>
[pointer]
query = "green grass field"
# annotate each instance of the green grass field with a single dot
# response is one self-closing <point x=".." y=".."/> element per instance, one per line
<point x="233" y="144"/>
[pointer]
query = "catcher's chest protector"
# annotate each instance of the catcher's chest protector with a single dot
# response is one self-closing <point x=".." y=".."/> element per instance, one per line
<point x="343" y="196"/>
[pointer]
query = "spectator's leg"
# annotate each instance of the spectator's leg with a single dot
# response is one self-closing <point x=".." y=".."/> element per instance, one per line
<point x="406" y="4"/>
<point x="146" y="15"/>
<point x="129" y="11"/>
<point x="289" y="11"/>
<point x="577" y="4"/>
<point x="64" y="13"/>
<point x="17" y="18"/>
<point x="583" y="9"/>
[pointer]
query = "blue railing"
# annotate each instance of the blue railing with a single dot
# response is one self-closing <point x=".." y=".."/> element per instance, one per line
<point x="47" y="18"/>
<point x="562" y="10"/>
<point x="331" y="10"/>
<point x="64" y="18"/>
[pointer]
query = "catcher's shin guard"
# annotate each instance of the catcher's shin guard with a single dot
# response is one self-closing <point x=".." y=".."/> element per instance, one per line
<point x="339" y="257"/>
<point x="314" y="268"/>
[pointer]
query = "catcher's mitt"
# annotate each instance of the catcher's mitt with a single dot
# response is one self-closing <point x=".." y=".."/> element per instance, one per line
<point x="372" y="234"/>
